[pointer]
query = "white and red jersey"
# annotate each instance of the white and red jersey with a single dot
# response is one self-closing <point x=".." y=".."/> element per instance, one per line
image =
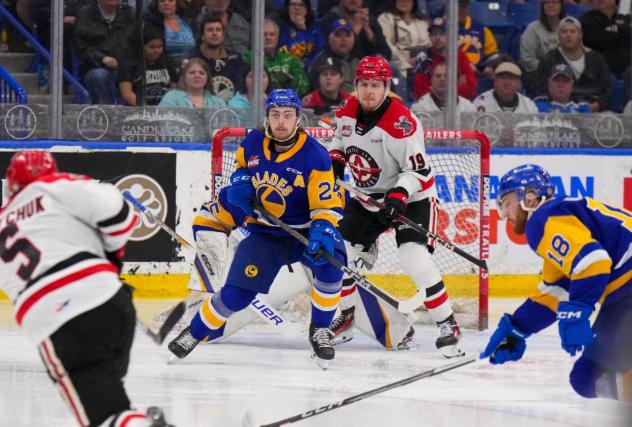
<point x="54" y="235"/>
<point x="390" y="154"/>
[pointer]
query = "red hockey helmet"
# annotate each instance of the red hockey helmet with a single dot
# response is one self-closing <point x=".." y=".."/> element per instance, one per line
<point x="373" y="68"/>
<point x="28" y="165"/>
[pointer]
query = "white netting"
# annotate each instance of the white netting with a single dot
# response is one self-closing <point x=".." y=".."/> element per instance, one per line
<point x="456" y="162"/>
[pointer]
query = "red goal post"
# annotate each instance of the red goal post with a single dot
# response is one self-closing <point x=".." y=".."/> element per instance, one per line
<point x="461" y="163"/>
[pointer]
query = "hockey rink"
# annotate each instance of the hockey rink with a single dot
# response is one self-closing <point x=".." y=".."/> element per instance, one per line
<point x="274" y="377"/>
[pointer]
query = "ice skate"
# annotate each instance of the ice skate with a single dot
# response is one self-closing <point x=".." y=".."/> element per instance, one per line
<point x="406" y="342"/>
<point x="320" y="339"/>
<point x="449" y="336"/>
<point x="183" y="344"/>
<point x="342" y="326"/>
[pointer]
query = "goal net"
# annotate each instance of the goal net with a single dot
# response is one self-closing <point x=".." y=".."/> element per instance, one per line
<point x="460" y="161"/>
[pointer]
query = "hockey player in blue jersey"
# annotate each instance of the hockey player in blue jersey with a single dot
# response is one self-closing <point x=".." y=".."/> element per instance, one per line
<point x="586" y="248"/>
<point x="290" y="175"/>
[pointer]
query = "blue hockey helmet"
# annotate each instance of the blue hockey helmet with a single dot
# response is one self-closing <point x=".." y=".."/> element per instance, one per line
<point x="283" y="98"/>
<point x="526" y="179"/>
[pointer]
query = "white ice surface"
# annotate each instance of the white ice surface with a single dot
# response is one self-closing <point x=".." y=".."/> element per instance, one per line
<point x="274" y="376"/>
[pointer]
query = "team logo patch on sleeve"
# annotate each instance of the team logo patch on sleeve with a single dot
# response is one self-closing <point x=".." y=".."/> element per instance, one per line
<point x="251" y="270"/>
<point x="253" y="161"/>
<point x="405" y="125"/>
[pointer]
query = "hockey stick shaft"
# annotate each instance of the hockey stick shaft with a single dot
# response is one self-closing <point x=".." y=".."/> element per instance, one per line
<point x="361" y="280"/>
<point x="405" y="220"/>
<point x="172" y="319"/>
<point x="259" y="305"/>
<point x="373" y="392"/>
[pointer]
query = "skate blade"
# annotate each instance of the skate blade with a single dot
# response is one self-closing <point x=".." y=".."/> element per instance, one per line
<point x="323" y="363"/>
<point x="340" y="339"/>
<point x="452" y="351"/>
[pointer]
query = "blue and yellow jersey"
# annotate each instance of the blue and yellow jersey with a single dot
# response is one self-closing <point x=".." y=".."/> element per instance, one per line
<point x="296" y="186"/>
<point x="586" y="247"/>
<point x="218" y="215"/>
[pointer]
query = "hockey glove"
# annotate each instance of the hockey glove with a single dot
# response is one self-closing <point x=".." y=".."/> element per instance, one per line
<point x="241" y="192"/>
<point x="574" y="324"/>
<point x="506" y="344"/>
<point x="322" y="235"/>
<point x="395" y="201"/>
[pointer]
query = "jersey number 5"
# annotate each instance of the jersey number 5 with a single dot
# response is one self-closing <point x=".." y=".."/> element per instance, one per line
<point x="23" y="246"/>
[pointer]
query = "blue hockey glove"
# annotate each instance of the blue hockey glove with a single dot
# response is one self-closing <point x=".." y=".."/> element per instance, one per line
<point x="506" y="344"/>
<point x="322" y="235"/>
<point x="574" y="324"/>
<point x="241" y="193"/>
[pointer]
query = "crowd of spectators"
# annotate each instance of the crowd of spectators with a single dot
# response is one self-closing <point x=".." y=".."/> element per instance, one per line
<point x="196" y="53"/>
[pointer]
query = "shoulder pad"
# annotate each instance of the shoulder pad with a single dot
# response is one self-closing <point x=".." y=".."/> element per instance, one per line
<point x="348" y="107"/>
<point x="398" y="121"/>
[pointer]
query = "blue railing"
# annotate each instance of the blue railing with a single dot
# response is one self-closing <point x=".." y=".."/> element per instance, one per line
<point x="10" y="90"/>
<point x="81" y="93"/>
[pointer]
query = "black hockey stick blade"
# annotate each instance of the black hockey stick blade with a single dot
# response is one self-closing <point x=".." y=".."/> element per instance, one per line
<point x="418" y="228"/>
<point x="358" y="397"/>
<point x="172" y="319"/>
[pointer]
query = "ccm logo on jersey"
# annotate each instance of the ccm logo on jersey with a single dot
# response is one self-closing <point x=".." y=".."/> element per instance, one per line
<point x="266" y="311"/>
<point x="569" y="315"/>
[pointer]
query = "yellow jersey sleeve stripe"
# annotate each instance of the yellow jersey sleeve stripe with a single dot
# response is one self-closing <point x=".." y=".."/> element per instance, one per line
<point x="240" y="158"/>
<point x="615" y="285"/>
<point x="546" y="300"/>
<point x="595" y="269"/>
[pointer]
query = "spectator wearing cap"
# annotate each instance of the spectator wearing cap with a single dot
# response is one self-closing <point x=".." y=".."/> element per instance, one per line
<point x="369" y="38"/>
<point x="340" y="43"/>
<point x="286" y="71"/>
<point x="608" y="32"/>
<point x="224" y="67"/>
<point x="560" y="88"/>
<point x="538" y="38"/>
<point x="592" y="75"/>
<point x="236" y="28"/>
<point x="435" y="99"/>
<point x="477" y="41"/>
<point x="300" y="33"/>
<point x="505" y="96"/>
<point x="427" y="60"/>
<point x="405" y="29"/>
<point x="328" y="96"/>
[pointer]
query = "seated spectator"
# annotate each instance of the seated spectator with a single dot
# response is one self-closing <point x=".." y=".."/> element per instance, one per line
<point x="592" y="75"/>
<point x="560" y="87"/>
<point x="300" y="33"/>
<point x="368" y="33"/>
<point x="225" y="67"/>
<point x="538" y="38"/>
<point x="477" y="41"/>
<point x="244" y="100"/>
<point x="340" y="43"/>
<point x="286" y="71"/>
<point x="505" y="96"/>
<point x="103" y="33"/>
<point x="193" y="90"/>
<point x="162" y="15"/>
<point x="328" y="96"/>
<point x="435" y="99"/>
<point x="236" y="28"/>
<point x="405" y="29"/>
<point x="435" y="54"/>
<point x="160" y="75"/>
<point x="608" y="32"/>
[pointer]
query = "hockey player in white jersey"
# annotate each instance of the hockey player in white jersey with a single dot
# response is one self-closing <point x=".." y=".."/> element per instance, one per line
<point x="62" y="239"/>
<point x="382" y="143"/>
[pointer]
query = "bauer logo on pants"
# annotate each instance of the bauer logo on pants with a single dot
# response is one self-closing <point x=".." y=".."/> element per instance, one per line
<point x="147" y="191"/>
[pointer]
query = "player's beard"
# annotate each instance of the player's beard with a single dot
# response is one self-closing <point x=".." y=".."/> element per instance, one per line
<point x="520" y="224"/>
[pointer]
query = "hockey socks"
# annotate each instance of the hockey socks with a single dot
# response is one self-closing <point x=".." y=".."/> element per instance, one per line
<point x="325" y="298"/>
<point x="214" y="311"/>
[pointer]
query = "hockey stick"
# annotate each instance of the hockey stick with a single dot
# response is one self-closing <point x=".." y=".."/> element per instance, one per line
<point x="407" y="306"/>
<point x="249" y="421"/>
<point x="171" y="321"/>
<point x="259" y="305"/>
<point x="404" y="220"/>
